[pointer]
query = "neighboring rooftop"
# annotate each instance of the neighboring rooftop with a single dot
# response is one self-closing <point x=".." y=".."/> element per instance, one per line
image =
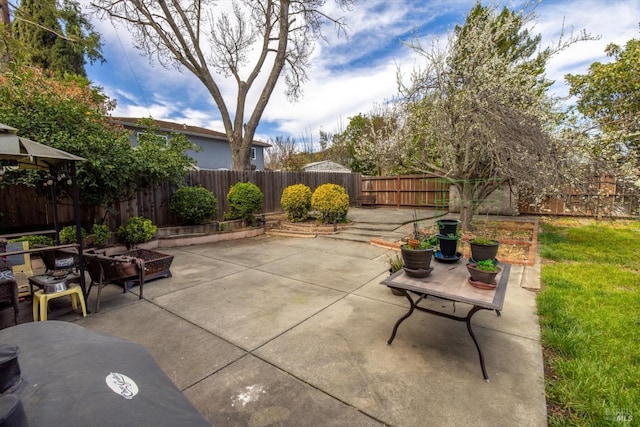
<point x="166" y="126"/>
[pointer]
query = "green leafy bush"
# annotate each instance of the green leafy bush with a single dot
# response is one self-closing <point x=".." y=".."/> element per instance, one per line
<point x="68" y="234"/>
<point x="34" y="240"/>
<point x="331" y="202"/>
<point x="194" y="205"/>
<point x="296" y="202"/>
<point x="245" y="200"/>
<point x="100" y="233"/>
<point x="137" y="230"/>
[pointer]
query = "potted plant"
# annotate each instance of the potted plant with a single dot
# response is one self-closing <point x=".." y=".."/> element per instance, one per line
<point x="484" y="271"/>
<point x="483" y="248"/>
<point x="447" y="226"/>
<point x="448" y="244"/>
<point x="416" y="255"/>
<point x="395" y="264"/>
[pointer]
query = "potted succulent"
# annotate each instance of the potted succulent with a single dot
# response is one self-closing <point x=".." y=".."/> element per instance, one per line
<point x="484" y="271"/>
<point x="483" y="248"/>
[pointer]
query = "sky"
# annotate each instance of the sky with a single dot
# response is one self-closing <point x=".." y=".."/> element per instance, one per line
<point x="349" y="75"/>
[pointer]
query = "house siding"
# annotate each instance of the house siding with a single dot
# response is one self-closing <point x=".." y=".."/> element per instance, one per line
<point x="215" y="153"/>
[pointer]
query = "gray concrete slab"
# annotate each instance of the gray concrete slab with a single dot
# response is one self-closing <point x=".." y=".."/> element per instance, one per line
<point x="249" y="308"/>
<point x="251" y="392"/>
<point x="184" y="351"/>
<point x="289" y="331"/>
<point x="430" y="372"/>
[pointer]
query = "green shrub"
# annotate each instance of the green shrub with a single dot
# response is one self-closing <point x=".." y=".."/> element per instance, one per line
<point x="245" y="199"/>
<point x="296" y="202"/>
<point x="331" y="202"/>
<point x="34" y="240"/>
<point x="194" y="205"/>
<point x="100" y="233"/>
<point x="68" y="234"/>
<point x="137" y="230"/>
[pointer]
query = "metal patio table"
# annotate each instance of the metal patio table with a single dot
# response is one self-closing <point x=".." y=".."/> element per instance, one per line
<point x="450" y="282"/>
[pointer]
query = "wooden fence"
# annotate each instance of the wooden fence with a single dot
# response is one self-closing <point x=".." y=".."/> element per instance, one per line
<point x="603" y="196"/>
<point x="407" y="191"/>
<point x="24" y="209"/>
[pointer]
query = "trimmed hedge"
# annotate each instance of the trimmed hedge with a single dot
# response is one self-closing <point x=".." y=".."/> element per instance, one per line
<point x="296" y="202"/>
<point x="194" y="205"/>
<point x="331" y="202"/>
<point x="245" y="200"/>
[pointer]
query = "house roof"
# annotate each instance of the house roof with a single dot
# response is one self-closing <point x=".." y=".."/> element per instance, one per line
<point x="326" y="165"/>
<point x="166" y="126"/>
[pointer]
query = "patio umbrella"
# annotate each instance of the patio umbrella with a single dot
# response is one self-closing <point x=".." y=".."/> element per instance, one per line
<point x="27" y="154"/>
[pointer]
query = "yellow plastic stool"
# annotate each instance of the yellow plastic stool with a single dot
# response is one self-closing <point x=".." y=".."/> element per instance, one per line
<point x="41" y="301"/>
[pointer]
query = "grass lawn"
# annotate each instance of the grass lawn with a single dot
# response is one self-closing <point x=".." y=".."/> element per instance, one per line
<point x="589" y="310"/>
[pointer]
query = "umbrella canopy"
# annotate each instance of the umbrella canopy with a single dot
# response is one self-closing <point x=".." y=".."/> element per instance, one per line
<point x="30" y="154"/>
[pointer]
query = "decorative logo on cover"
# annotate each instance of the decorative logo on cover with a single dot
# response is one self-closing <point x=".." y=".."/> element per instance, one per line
<point x="122" y="385"/>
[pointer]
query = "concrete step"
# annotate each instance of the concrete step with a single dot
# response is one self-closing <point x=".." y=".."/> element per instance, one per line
<point x="282" y="233"/>
<point x="376" y="227"/>
<point x="348" y="237"/>
<point x="377" y="234"/>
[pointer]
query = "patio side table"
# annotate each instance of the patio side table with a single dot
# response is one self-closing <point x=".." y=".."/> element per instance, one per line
<point x="450" y="282"/>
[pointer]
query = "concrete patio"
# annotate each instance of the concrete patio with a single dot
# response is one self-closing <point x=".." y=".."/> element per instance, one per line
<point x="292" y="331"/>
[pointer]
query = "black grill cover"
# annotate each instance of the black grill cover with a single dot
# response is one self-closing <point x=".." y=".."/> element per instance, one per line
<point x="74" y="376"/>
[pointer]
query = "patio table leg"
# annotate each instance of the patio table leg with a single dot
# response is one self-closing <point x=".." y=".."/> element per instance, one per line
<point x="403" y="318"/>
<point x="466" y="319"/>
<point x="473" y="311"/>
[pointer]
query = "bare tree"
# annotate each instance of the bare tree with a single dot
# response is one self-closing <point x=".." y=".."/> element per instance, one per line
<point x="256" y="36"/>
<point x="279" y="154"/>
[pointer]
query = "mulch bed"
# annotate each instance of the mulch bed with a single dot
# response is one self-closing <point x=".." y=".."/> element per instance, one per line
<point x="518" y="239"/>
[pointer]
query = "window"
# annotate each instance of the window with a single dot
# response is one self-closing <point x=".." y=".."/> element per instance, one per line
<point x="252" y="156"/>
<point x="158" y="137"/>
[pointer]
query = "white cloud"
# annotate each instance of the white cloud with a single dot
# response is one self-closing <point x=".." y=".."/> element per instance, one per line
<point x="348" y="76"/>
<point x="612" y="21"/>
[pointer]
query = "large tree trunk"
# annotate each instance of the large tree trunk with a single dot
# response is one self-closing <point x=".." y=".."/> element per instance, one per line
<point x="4" y="15"/>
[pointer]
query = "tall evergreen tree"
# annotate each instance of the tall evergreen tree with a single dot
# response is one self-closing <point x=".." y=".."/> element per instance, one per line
<point x="57" y="35"/>
<point x="36" y="26"/>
